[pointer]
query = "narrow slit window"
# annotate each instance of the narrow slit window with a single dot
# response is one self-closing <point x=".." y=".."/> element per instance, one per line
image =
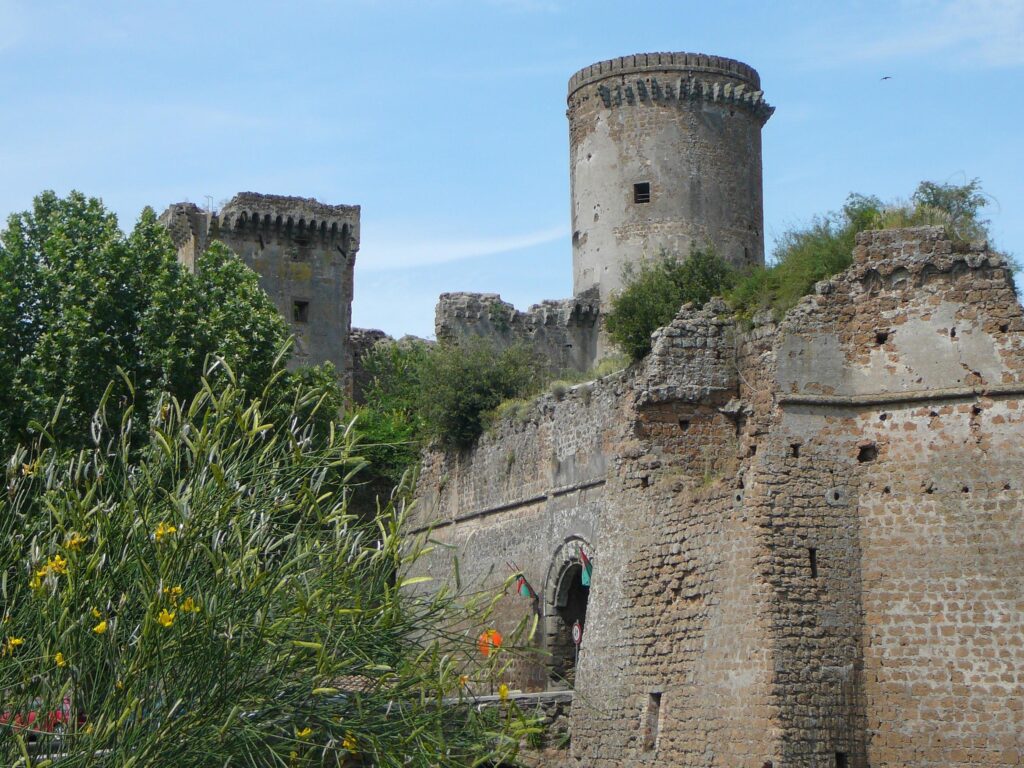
<point x="812" y="560"/>
<point x="300" y="311"/>
<point x="651" y="719"/>
<point x="642" y="192"/>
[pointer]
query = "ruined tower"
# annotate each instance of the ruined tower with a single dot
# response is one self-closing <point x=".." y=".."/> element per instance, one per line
<point x="664" y="153"/>
<point x="304" y="252"/>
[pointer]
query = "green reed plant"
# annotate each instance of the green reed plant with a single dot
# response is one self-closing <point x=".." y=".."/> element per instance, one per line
<point x="206" y="599"/>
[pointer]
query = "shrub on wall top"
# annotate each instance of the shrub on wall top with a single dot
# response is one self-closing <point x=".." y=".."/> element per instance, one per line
<point x="654" y="294"/>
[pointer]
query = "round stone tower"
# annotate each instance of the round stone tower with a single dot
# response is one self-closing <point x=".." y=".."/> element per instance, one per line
<point x="664" y="154"/>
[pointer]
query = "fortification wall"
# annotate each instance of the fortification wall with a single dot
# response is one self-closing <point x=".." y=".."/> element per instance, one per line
<point x="563" y="332"/>
<point x="665" y="153"/>
<point x="806" y="536"/>
<point x="900" y="383"/>
<point x="527" y="497"/>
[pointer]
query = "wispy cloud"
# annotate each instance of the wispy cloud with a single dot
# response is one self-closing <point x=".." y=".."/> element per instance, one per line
<point x="981" y="33"/>
<point x="382" y="253"/>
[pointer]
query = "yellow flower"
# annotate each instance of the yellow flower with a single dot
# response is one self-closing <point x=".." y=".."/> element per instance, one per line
<point x="57" y="564"/>
<point x="305" y="733"/>
<point x="463" y="680"/>
<point x="349" y="742"/>
<point x="503" y="692"/>
<point x="11" y="644"/>
<point x="36" y="581"/>
<point x="166" y="618"/>
<point x="119" y="685"/>
<point x="190" y="606"/>
<point x="164" y="410"/>
<point x="27" y="470"/>
<point x="163" y="529"/>
<point x="96" y="613"/>
<point x="75" y="542"/>
<point x="100" y="628"/>
<point x="173" y="593"/>
<point x="59" y="660"/>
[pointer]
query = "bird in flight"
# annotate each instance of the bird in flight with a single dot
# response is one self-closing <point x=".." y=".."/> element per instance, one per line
<point x="887" y="77"/>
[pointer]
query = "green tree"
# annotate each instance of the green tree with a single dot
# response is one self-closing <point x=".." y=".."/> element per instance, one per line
<point x="81" y="300"/>
<point x="460" y="384"/>
<point x="205" y="598"/>
<point x="654" y="294"/>
<point x="388" y="421"/>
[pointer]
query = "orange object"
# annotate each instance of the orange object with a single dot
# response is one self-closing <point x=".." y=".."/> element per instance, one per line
<point x="489" y="640"/>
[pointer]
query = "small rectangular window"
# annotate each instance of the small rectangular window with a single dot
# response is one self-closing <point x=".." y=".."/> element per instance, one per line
<point x="651" y="720"/>
<point x="812" y="558"/>
<point x="841" y="760"/>
<point x="642" y="192"/>
<point x="300" y="311"/>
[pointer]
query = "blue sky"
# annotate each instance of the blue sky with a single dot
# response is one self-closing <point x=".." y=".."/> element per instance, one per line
<point x="445" y="119"/>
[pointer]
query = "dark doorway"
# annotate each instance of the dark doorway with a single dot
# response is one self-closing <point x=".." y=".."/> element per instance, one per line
<point x="570" y="606"/>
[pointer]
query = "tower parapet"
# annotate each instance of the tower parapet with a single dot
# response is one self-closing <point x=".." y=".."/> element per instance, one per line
<point x="665" y="154"/>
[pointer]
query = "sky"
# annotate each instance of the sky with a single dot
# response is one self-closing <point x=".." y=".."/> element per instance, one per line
<point x="445" y="119"/>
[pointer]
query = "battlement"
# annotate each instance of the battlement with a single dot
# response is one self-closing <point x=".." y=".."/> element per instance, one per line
<point x="298" y="215"/>
<point x="563" y="332"/>
<point x="691" y="63"/>
<point x="653" y="91"/>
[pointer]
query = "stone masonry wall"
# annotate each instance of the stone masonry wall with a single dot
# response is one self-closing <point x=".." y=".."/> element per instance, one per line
<point x="806" y="535"/>
<point x="900" y="383"/>
<point x="563" y="332"/>
<point x="525" y="498"/>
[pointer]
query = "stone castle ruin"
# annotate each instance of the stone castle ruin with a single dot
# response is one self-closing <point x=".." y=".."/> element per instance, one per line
<point x="803" y="538"/>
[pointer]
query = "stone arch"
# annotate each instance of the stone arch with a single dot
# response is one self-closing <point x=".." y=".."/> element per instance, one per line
<point x="565" y="602"/>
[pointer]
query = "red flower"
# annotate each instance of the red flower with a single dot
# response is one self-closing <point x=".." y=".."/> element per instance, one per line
<point x="488" y="641"/>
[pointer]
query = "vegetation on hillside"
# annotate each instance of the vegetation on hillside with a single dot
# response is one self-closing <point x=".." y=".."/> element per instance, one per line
<point x="205" y="598"/>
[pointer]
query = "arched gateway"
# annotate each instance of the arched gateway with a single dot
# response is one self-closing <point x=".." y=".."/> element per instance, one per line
<point x="566" y="593"/>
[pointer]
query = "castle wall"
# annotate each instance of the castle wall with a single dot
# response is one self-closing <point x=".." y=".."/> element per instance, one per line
<point x="526" y="498"/>
<point x="688" y="126"/>
<point x="806" y="535"/>
<point x="563" y="332"/>
<point x="901" y="380"/>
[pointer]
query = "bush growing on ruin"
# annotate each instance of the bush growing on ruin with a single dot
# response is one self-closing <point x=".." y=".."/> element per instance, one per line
<point x="205" y="598"/>
<point x="805" y="255"/>
<point x="462" y="383"/>
<point x="81" y="301"/>
<point x="654" y="294"/>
